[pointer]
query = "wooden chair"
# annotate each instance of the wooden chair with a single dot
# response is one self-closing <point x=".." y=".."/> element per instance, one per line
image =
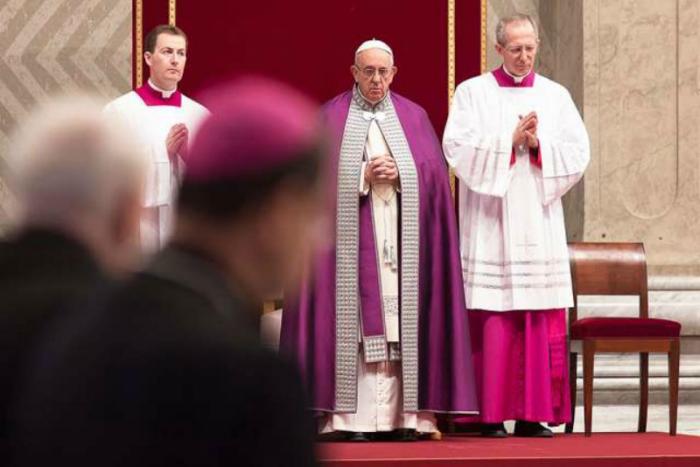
<point x="618" y="269"/>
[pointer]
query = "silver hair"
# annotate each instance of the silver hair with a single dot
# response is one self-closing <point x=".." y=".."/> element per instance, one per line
<point x="515" y="18"/>
<point x="70" y="162"/>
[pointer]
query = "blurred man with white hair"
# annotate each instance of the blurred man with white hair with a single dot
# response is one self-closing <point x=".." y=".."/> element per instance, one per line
<point x="79" y="191"/>
<point x="169" y="370"/>
<point x="382" y="347"/>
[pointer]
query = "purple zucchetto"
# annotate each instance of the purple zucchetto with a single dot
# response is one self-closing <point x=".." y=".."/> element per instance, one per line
<point x="256" y="125"/>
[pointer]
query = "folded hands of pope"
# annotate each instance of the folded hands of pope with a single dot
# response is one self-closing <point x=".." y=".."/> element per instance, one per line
<point x="382" y="169"/>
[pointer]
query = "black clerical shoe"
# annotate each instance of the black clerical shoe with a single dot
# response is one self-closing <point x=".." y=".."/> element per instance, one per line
<point x="356" y="436"/>
<point x="532" y="430"/>
<point x="405" y="434"/>
<point x="493" y="430"/>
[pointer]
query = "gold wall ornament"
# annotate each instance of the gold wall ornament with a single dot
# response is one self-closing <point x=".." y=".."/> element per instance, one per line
<point x="451" y="52"/>
<point x="172" y="12"/>
<point x="452" y="56"/>
<point x="483" y="35"/>
<point x="172" y="18"/>
<point x="138" y="60"/>
<point x="451" y="68"/>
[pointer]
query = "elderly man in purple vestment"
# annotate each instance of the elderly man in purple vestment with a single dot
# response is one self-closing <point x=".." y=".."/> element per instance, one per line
<point x="517" y="145"/>
<point x="379" y="326"/>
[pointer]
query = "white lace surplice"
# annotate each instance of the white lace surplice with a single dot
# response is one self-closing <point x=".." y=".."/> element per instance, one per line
<point x="513" y="241"/>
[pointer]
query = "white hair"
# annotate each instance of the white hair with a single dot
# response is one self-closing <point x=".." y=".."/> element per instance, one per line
<point x="515" y="18"/>
<point x="71" y="163"/>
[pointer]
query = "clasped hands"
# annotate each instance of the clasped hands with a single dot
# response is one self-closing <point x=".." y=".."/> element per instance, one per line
<point x="176" y="141"/>
<point x="382" y="170"/>
<point x="525" y="134"/>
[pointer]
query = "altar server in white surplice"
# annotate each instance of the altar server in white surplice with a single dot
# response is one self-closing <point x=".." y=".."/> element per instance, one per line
<point x="162" y="119"/>
<point x="517" y="144"/>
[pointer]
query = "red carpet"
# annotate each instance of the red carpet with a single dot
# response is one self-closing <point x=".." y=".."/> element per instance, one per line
<point x="600" y="450"/>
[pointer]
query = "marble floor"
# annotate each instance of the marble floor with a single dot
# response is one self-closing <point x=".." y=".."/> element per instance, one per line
<point x="623" y="418"/>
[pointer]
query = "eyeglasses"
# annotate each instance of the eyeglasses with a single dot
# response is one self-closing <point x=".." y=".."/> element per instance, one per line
<point x="529" y="49"/>
<point x="369" y="72"/>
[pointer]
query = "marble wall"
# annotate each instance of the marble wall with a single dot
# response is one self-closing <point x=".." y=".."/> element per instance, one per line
<point x="54" y="46"/>
<point x="642" y="108"/>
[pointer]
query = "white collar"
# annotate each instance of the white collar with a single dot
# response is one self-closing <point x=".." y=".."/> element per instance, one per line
<point x="517" y="79"/>
<point x="166" y="94"/>
<point x="366" y="104"/>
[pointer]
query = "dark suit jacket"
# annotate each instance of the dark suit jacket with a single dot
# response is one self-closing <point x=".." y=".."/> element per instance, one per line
<point x="169" y="372"/>
<point x="42" y="275"/>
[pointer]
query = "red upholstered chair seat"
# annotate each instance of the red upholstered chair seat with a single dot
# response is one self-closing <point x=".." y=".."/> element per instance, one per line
<point x="587" y="328"/>
<point x="618" y="269"/>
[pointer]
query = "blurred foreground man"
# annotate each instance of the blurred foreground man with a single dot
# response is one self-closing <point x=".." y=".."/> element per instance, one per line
<point x="379" y="326"/>
<point x="162" y="119"/>
<point x="171" y="371"/>
<point x="517" y="145"/>
<point x="78" y="186"/>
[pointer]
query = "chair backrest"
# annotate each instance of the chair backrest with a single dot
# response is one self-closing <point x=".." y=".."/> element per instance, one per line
<point x="609" y="269"/>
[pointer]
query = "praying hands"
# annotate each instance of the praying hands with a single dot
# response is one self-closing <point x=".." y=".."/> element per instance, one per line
<point x="526" y="131"/>
<point x="382" y="170"/>
<point x="176" y="142"/>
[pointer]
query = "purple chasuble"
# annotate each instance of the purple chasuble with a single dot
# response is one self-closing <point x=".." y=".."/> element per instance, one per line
<point x="443" y="368"/>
